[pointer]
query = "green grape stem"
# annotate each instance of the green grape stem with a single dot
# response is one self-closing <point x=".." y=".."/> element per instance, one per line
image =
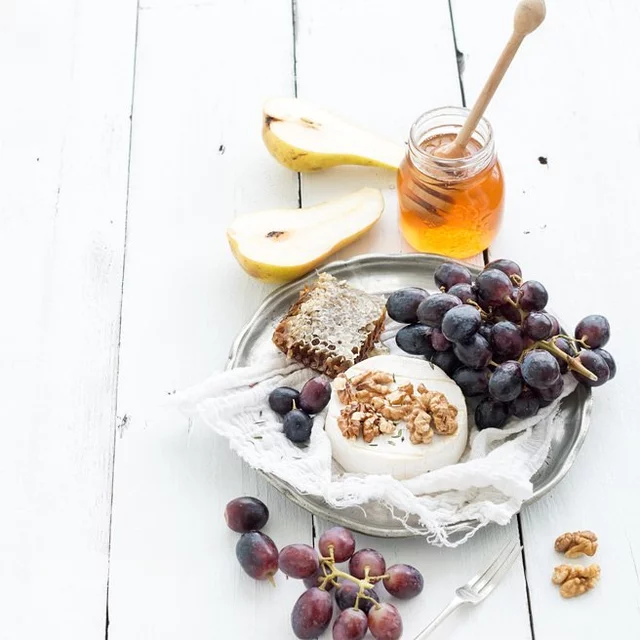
<point x="573" y="363"/>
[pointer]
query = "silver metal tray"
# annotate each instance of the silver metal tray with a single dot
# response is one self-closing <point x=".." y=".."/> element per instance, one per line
<point x="382" y="274"/>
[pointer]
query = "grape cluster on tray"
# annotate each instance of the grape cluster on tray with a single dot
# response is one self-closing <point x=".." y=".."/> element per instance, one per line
<point x="494" y="337"/>
<point x="351" y="590"/>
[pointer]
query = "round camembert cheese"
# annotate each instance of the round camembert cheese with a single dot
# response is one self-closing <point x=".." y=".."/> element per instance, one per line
<point x="397" y="456"/>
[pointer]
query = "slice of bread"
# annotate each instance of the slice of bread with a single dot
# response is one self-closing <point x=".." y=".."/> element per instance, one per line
<point x="331" y="326"/>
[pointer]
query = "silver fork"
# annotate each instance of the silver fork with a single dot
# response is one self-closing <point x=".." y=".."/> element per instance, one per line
<point x="478" y="588"/>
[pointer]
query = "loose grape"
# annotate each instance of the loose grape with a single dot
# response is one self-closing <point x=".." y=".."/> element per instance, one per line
<point x="447" y="361"/>
<point x="351" y="624"/>
<point x="465" y="292"/>
<point x="594" y="330"/>
<point x="538" y="325"/>
<point x="246" y="514"/>
<point x="283" y="399"/>
<point x="525" y="405"/>
<point x="403" y="304"/>
<point x="505" y="384"/>
<point x="432" y="310"/>
<point x="461" y="323"/>
<point x="385" y="622"/>
<point x="415" y="339"/>
<point x="507" y="341"/>
<point x="553" y="392"/>
<point x="298" y="561"/>
<point x="439" y="342"/>
<point x="297" y="426"/>
<point x="347" y="592"/>
<point x="506" y="266"/>
<point x="540" y="369"/>
<point x="449" y="274"/>
<point x="475" y="353"/>
<point x="315" y="395"/>
<point x="311" y="613"/>
<point x="317" y="580"/>
<point x="611" y="363"/>
<point x="472" y="382"/>
<point x="366" y="558"/>
<point x="257" y="555"/>
<point x="342" y="541"/>
<point x="532" y="296"/>
<point x="491" y="413"/>
<point x="596" y="364"/>
<point x="494" y="287"/>
<point x="404" y="581"/>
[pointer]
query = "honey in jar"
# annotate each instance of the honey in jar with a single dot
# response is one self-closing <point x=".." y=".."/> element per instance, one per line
<point x="450" y="206"/>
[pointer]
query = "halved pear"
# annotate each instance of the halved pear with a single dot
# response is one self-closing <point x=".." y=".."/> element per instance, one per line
<point x="304" y="137"/>
<point x="283" y="244"/>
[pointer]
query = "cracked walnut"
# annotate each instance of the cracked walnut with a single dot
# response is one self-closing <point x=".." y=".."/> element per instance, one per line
<point x="577" y="543"/>
<point x="574" y="580"/>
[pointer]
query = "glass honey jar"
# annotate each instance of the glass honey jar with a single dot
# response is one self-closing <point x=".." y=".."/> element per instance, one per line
<point x="450" y="206"/>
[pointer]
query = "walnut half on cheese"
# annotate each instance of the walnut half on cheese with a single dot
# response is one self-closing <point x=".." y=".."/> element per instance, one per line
<point x="398" y="416"/>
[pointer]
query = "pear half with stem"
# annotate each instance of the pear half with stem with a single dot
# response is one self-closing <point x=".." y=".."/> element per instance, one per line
<point x="304" y="137"/>
<point x="283" y="244"/>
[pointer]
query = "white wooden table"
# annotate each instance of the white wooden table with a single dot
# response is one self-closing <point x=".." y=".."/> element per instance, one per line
<point x="129" y="137"/>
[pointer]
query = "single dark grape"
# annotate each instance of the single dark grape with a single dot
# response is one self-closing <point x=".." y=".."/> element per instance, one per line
<point x="404" y="581"/>
<point x="446" y="360"/>
<point x="246" y="514"/>
<point x="385" y="622"/>
<point x="351" y="624"/>
<point x="475" y="353"/>
<point x="450" y="273"/>
<point x="439" y="342"/>
<point x="505" y="383"/>
<point x="506" y="266"/>
<point x="485" y="331"/>
<point x="317" y="579"/>
<point x="532" y="296"/>
<point x="298" y="561"/>
<point x="507" y="340"/>
<point x="608" y="358"/>
<point x="555" y="324"/>
<point x="432" y="310"/>
<point x="366" y="558"/>
<point x="297" y="426"/>
<point x="538" y="326"/>
<point x="311" y="613"/>
<point x="342" y="541"/>
<point x="551" y="393"/>
<point x="508" y="311"/>
<point x="594" y="330"/>
<point x="461" y="323"/>
<point x="472" y="382"/>
<point x="491" y="413"/>
<point x="403" y="304"/>
<point x="568" y="348"/>
<point x="283" y="399"/>
<point x="464" y="291"/>
<point x="540" y="369"/>
<point x="315" y="395"/>
<point x="596" y="364"/>
<point x="494" y="287"/>
<point x="257" y="555"/>
<point x="415" y="339"/>
<point x="525" y="405"/>
<point x="347" y="592"/>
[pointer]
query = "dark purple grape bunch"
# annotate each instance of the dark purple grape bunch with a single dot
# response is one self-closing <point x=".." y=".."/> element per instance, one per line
<point x="298" y="407"/>
<point x="493" y="335"/>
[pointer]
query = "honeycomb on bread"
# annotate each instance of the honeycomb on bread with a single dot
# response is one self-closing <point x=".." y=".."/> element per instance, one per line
<point x="331" y="327"/>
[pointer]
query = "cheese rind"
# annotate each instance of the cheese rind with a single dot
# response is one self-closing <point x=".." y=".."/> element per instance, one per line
<point x="397" y="456"/>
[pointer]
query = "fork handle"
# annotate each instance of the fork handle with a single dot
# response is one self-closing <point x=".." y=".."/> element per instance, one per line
<point x="445" y="613"/>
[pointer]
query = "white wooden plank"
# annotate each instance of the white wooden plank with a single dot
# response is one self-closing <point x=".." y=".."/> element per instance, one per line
<point x="571" y="224"/>
<point x="381" y="67"/>
<point x="64" y="153"/>
<point x="197" y="159"/>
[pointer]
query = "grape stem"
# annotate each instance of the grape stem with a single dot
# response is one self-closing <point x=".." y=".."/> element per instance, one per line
<point x="573" y="363"/>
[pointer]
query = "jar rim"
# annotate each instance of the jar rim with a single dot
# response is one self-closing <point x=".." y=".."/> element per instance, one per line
<point x="455" y="117"/>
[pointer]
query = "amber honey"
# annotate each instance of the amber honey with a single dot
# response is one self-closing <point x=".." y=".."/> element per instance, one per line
<point x="452" y="207"/>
